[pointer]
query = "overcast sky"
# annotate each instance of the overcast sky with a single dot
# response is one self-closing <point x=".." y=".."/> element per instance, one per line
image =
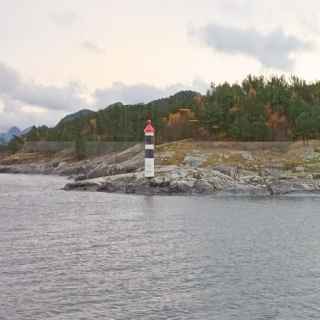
<point x="57" y="57"/>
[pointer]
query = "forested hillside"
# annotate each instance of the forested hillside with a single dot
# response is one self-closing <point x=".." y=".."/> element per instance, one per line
<point x="263" y="109"/>
<point x="257" y="109"/>
<point x="117" y="122"/>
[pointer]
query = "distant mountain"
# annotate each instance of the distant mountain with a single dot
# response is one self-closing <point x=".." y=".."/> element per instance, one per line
<point x="25" y="131"/>
<point x="6" y="137"/>
<point x="9" y="135"/>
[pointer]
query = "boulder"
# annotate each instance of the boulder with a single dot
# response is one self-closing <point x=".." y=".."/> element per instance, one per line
<point x="82" y="186"/>
<point x="254" y="179"/>
<point x="181" y="186"/>
<point x="203" y="187"/>
<point x="227" y="170"/>
<point x="279" y="187"/>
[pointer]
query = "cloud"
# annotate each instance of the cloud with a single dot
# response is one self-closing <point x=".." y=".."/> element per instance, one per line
<point x="126" y="93"/>
<point x="272" y="50"/>
<point x="18" y="114"/>
<point x="310" y="23"/>
<point x="237" y="7"/>
<point x="68" y="97"/>
<point x="63" y="18"/>
<point x="14" y="113"/>
<point x="141" y="93"/>
<point x="25" y="103"/>
<point x="92" y="47"/>
<point x="2" y="106"/>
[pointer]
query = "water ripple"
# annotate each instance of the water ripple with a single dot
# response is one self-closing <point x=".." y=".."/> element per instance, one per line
<point x="100" y="256"/>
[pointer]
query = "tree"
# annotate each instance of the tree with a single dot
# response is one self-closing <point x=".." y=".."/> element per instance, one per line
<point x="80" y="148"/>
<point x="15" y="144"/>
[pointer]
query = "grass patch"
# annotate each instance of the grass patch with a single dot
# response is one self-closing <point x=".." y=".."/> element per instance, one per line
<point x="211" y="161"/>
<point x="292" y="164"/>
<point x="176" y="158"/>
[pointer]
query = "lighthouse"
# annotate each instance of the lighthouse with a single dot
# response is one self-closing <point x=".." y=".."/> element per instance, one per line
<point x="149" y="150"/>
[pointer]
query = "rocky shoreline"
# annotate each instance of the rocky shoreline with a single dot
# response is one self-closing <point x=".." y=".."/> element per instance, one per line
<point x="193" y="175"/>
<point x="174" y="180"/>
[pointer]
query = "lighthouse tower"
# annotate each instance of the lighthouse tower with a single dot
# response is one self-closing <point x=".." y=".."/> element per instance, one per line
<point x="149" y="150"/>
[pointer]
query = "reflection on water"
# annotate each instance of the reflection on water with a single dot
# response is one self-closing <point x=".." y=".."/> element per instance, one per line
<point x="71" y="255"/>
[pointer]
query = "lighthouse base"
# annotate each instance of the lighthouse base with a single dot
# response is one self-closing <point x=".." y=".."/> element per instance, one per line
<point x="149" y="168"/>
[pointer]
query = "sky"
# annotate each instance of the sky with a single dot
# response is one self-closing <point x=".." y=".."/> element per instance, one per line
<point x="57" y="57"/>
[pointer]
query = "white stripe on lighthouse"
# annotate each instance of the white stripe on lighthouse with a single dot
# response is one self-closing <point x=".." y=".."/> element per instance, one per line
<point x="149" y="168"/>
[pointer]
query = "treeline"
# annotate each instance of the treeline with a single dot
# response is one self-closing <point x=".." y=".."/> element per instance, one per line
<point x="260" y="109"/>
<point x="263" y="109"/>
<point x="117" y="122"/>
<point x="3" y="148"/>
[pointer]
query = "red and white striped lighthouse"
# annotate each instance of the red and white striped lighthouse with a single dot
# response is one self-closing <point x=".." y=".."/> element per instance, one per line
<point x="149" y="150"/>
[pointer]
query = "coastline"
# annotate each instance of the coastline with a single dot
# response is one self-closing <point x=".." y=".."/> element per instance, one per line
<point x="217" y="185"/>
<point x="186" y="168"/>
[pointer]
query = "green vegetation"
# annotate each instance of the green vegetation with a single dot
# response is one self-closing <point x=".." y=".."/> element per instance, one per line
<point x="15" y="145"/>
<point x="3" y="148"/>
<point x="263" y="109"/>
<point x="258" y="109"/>
<point x="80" y="148"/>
<point x="117" y="122"/>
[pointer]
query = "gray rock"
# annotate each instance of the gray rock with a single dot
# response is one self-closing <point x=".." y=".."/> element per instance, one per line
<point x="182" y="186"/>
<point x="316" y="176"/>
<point x="246" y="190"/>
<point x="111" y="187"/>
<point x="246" y="156"/>
<point x="312" y="155"/>
<point x="203" y="187"/>
<point x="159" y="182"/>
<point x="230" y="171"/>
<point x="280" y="187"/>
<point x="82" y="186"/>
<point x="252" y="180"/>
<point x="194" y="160"/>
<point x="5" y="169"/>
<point x="273" y="172"/>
